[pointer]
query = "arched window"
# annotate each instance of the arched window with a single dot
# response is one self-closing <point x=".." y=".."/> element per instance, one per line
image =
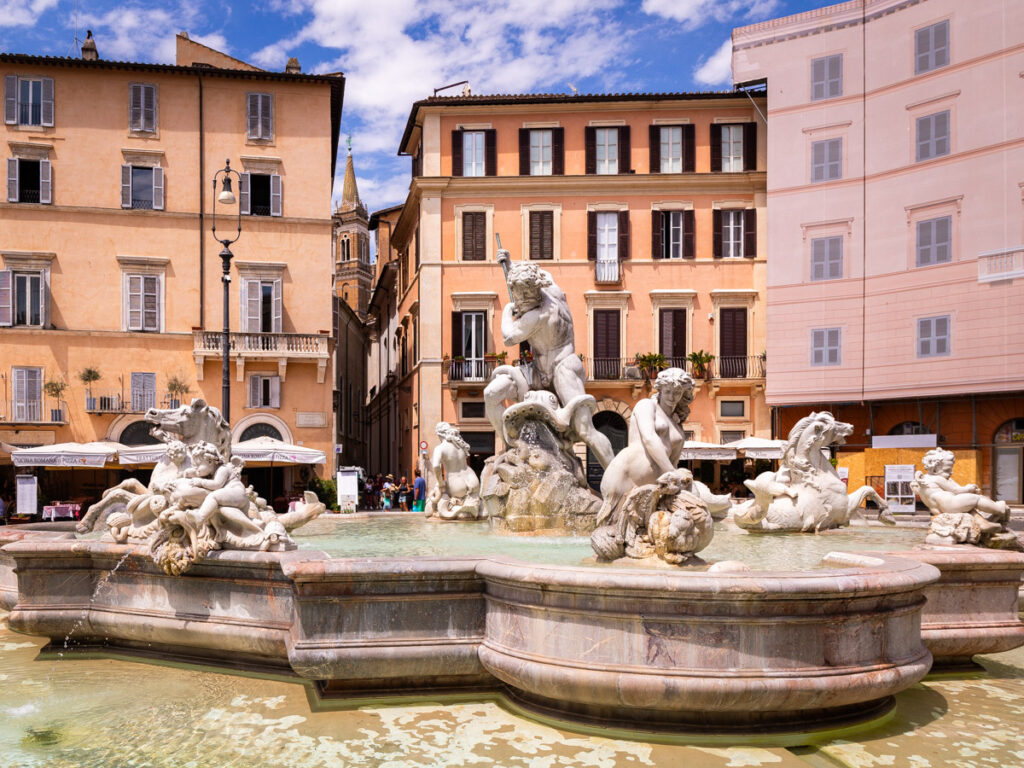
<point x="1010" y="432"/>
<point x="910" y="428"/>
<point x="137" y="433"/>
<point x="259" y="429"/>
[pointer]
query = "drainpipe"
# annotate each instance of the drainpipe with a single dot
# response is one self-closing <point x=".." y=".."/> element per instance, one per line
<point x="202" y="208"/>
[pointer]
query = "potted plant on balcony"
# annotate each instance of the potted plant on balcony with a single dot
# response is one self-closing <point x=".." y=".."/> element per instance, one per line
<point x="87" y="376"/>
<point x="650" y="363"/>
<point x="55" y="388"/>
<point x="701" y="362"/>
<point x="177" y="388"/>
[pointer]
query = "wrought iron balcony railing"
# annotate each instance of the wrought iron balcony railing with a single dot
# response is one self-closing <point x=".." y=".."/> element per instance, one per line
<point x="44" y="410"/>
<point x="471" y="370"/>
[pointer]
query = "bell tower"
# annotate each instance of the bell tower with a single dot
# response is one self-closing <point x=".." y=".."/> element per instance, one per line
<point x="352" y="245"/>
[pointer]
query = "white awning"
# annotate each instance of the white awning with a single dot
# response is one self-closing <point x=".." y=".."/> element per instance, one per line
<point x="759" y="447"/>
<point x="277" y="451"/>
<point x="94" y="455"/>
<point x="708" y="451"/>
<point x="142" y="454"/>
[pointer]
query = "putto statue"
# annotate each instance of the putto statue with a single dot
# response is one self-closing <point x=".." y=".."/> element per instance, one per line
<point x="538" y="482"/>
<point x="806" y="494"/>
<point x="195" y="501"/>
<point x="456" y="494"/>
<point x="960" y="514"/>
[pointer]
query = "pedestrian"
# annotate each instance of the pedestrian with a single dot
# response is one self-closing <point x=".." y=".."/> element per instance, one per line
<point x="419" y="492"/>
<point x="403" y="494"/>
<point x="386" y="492"/>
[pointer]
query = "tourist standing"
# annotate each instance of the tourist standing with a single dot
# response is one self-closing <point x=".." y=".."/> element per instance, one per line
<point x="403" y="494"/>
<point x="419" y="492"/>
<point x="386" y="492"/>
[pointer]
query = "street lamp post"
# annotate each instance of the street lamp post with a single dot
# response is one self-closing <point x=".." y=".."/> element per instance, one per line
<point x="226" y="197"/>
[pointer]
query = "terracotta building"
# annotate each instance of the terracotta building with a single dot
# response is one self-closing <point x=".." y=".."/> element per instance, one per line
<point x="111" y="282"/>
<point x="895" y="223"/>
<point x="647" y="209"/>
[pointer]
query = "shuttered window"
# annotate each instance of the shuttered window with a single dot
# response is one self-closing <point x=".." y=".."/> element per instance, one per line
<point x="826" y="346"/>
<point x="142" y="188"/>
<point x="28" y="100"/>
<point x="827" y="77"/>
<point x="672" y="149"/>
<point x="142" y="302"/>
<point x="24" y="298"/>
<point x="27" y="385"/>
<point x="932" y="136"/>
<point x="672" y="235"/>
<point x="29" y="181"/>
<point x="260" y="194"/>
<point x="606" y="145"/>
<point x="265" y="391"/>
<point x="262" y="306"/>
<point x="260" y="116"/>
<point x="474" y="236"/>
<point x="732" y="148"/>
<point x="732" y="342"/>
<point x="931" y="47"/>
<point x="933" y="336"/>
<point x="542" y="237"/>
<point x="826" y="258"/>
<point x="672" y="336"/>
<point x="934" y="241"/>
<point x="827" y="160"/>
<point x="142" y="107"/>
<point x="607" y="339"/>
<point x="473" y="153"/>
<point x="143" y="391"/>
<point x="732" y="234"/>
<point x="540" y="153"/>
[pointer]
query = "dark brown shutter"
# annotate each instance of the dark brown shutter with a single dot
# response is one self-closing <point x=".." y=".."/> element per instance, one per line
<point x="623" y="235"/>
<point x="716" y="233"/>
<point x="625" y="158"/>
<point x="524" y="151"/>
<point x="657" y="247"/>
<point x="457" y="152"/>
<point x="547" y="234"/>
<point x="558" y="151"/>
<point x="689" y="235"/>
<point x="606" y="334"/>
<point x="456" y="334"/>
<point x="654" y="137"/>
<point x="490" y="152"/>
<point x="689" y="149"/>
<point x="474" y="233"/>
<point x="732" y="342"/>
<point x="750" y="233"/>
<point x="535" y="227"/>
<point x="716" y="148"/>
<point x="672" y="336"/>
<point x="590" y="149"/>
<point x="750" y="146"/>
<point x="592" y="235"/>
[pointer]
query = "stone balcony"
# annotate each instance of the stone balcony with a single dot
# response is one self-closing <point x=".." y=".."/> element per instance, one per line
<point x="1005" y="264"/>
<point x="283" y="348"/>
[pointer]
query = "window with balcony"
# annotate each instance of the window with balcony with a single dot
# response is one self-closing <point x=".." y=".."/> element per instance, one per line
<point x="142" y="299"/>
<point x="28" y="181"/>
<point x="826" y="160"/>
<point x="28" y="100"/>
<point x="933" y="336"/>
<point x="265" y="391"/>
<point x="262" y="305"/>
<point x="827" y="258"/>
<point x="260" y="116"/>
<point x="142" y="107"/>
<point x="143" y="391"/>
<point x="827" y="77"/>
<point x="733" y="147"/>
<point x="932" y="133"/>
<point x="672" y="235"/>
<point x="931" y="47"/>
<point x="27" y="389"/>
<point x="469" y="344"/>
<point x="259" y="194"/>
<point x="142" y="188"/>
<point x="607" y="344"/>
<point x="826" y="346"/>
<point x="23" y="298"/>
<point x="672" y="336"/>
<point x="606" y="150"/>
<point x="607" y="242"/>
<point x="732" y="342"/>
<point x="934" y="241"/>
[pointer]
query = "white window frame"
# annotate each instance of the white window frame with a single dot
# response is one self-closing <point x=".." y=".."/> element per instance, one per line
<point x="474" y="333"/>
<point x="826" y="347"/>
<point x="607" y="236"/>
<point x="264" y="391"/>
<point x="933" y="144"/>
<point x="540" y="151"/>
<point x="932" y="58"/>
<point x="827" y="258"/>
<point x="252" y="299"/>
<point x="26" y="408"/>
<point x="259" y="121"/>
<point x="142" y="117"/>
<point x="25" y="278"/>
<point x="933" y="251"/>
<point x="732" y="147"/>
<point x="671" y="137"/>
<point x="606" y="151"/>
<point x="930" y="342"/>
<point x="732" y="233"/>
<point x="827" y="160"/>
<point x="827" y="77"/>
<point x="672" y="234"/>
<point x="474" y="153"/>
<point x="135" y="284"/>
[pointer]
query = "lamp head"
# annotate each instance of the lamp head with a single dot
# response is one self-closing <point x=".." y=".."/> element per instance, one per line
<point x="226" y="196"/>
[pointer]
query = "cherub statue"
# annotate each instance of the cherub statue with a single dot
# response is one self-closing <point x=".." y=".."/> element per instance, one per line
<point x="456" y="494"/>
<point x="960" y="513"/>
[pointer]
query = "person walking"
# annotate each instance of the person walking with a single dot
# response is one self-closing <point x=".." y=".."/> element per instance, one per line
<point x="403" y="494"/>
<point x="386" y="492"/>
<point x="419" y="492"/>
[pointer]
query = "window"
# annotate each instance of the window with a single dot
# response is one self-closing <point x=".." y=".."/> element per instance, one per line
<point x="826" y="160"/>
<point x="825" y="346"/>
<point x="827" y="77"/>
<point x="259" y="194"/>
<point x="607" y="345"/>
<point x="933" y="336"/>
<point x="265" y="391"/>
<point x="910" y="428"/>
<point x="672" y="336"/>
<point x="260" y="117"/>
<point x="732" y="435"/>
<point x="607" y="246"/>
<point x="28" y="100"/>
<point x="672" y="235"/>
<point x="540" y="153"/>
<point x="262" y="306"/>
<point x="473" y="153"/>
<point x="735" y="233"/>
<point x="732" y="342"/>
<point x="933" y="136"/>
<point x="143" y="391"/>
<point x="606" y="144"/>
<point x="469" y="332"/>
<point x="732" y="234"/>
<point x="142" y="188"/>
<point x="934" y="240"/>
<point x="672" y="149"/>
<point x="23" y="298"/>
<point x="28" y="181"/>
<point x="142" y="107"/>
<point x="142" y="302"/>
<point x="732" y="148"/>
<point x="931" y="47"/>
<point x="827" y="258"/>
<point x="474" y="410"/>
<point x="28" y="393"/>
<point x="542" y="225"/>
<point x="474" y="236"/>
<point x="732" y="409"/>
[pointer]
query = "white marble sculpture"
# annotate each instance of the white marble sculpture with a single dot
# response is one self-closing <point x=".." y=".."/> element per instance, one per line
<point x="195" y="501"/>
<point x="806" y="494"/>
<point x="960" y="513"/>
<point x="456" y="492"/>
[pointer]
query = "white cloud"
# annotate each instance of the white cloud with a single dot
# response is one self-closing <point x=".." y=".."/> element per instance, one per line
<point x="23" y="13"/>
<point x="717" y="69"/>
<point x="694" y="13"/>
<point x="147" y="33"/>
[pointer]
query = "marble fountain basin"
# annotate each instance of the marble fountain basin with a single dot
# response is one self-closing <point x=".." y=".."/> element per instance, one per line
<point x="656" y="649"/>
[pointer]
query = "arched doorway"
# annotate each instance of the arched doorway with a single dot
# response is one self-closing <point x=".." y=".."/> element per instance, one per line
<point x="614" y="427"/>
<point x="1008" y="462"/>
<point x="269" y="482"/>
<point x="137" y="433"/>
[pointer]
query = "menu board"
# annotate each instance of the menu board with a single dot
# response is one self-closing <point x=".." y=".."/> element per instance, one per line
<point x="898" y="493"/>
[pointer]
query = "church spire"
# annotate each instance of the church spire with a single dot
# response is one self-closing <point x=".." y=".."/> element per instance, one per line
<point x="349" y="191"/>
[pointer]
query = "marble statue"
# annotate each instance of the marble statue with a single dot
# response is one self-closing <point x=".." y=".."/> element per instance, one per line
<point x="960" y="514"/>
<point x="195" y="501"/>
<point x="664" y="519"/>
<point x="456" y="493"/>
<point x="538" y="482"/>
<point x="806" y="494"/>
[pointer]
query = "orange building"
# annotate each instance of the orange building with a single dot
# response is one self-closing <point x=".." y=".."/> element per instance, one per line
<point x="110" y="287"/>
<point x="647" y="209"/>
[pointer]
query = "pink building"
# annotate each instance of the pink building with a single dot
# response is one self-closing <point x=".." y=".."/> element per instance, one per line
<point x="895" y="220"/>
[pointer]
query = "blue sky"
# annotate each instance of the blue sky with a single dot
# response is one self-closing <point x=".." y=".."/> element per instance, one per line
<point x="396" y="51"/>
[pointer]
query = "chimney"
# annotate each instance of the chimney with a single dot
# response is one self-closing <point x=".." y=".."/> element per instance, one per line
<point x="89" y="48"/>
<point x="292" y="67"/>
